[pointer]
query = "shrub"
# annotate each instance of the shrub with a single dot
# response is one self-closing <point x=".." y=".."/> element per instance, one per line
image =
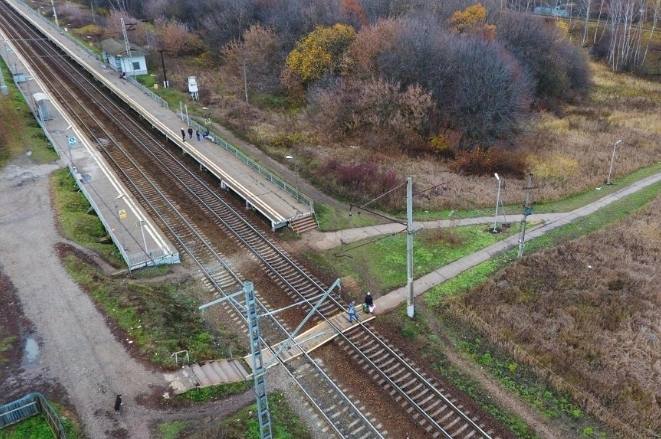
<point x="176" y="37"/>
<point x="360" y="59"/>
<point x="558" y="68"/>
<point x="320" y="52"/>
<point x="374" y="106"/>
<point x="261" y="51"/>
<point x="479" y="89"/>
<point x="483" y="161"/>
<point x="361" y="180"/>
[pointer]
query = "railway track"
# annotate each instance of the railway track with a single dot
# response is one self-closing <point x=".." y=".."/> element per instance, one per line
<point x="432" y="407"/>
<point x="326" y="397"/>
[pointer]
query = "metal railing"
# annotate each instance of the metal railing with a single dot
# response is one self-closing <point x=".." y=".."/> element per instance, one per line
<point x="162" y="102"/>
<point x="252" y="164"/>
<point x="28" y="406"/>
<point x="217" y="139"/>
<point x="61" y="31"/>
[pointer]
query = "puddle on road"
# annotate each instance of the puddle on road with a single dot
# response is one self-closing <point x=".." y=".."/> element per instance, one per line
<point x="31" y="351"/>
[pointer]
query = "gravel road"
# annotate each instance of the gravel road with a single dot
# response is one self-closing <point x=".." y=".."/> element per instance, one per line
<point x="77" y="348"/>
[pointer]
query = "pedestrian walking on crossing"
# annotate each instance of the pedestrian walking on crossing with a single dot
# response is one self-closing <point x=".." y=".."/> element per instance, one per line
<point x="118" y="404"/>
<point x="353" y="315"/>
<point x="183" y="135"/>
<point x="190" y="132"/>
<point x="369" y="303"/>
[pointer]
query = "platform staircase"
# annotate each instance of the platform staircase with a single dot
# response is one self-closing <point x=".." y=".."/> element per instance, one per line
<point x="304" y="224"/>
<point x="210" y="373"/>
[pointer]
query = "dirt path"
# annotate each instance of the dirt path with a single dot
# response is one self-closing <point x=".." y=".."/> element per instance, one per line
<point x="77" y="348"/>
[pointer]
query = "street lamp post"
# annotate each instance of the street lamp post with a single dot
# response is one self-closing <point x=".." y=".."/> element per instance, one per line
<point x="610" y="168"/>
<point x="495" y="218"/>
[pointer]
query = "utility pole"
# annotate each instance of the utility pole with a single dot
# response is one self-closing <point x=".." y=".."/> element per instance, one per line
<point x="57" y="23"/>
<point x="127" y="45"/>
<point x="610" y="169"/>
<point x="255" y="339"/>
<point x="410" y="298"/>
<point x="527" y="210"/>
<point x="245" y="80"/>
<point x="165" y="73"/>
<point x="263" y="414"/>
<point x="495" y="218"/>
<point x="93" y="11"/>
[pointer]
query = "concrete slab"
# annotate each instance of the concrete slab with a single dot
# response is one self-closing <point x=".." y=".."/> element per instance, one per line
<point x="311" y="339"/>
<point x="262" y="190"/>
<point x="140" y="242"/>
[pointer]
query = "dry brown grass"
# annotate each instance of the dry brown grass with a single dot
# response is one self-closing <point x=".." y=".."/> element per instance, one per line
<point x="590" y="311"/>
<point x="568" y="152"/>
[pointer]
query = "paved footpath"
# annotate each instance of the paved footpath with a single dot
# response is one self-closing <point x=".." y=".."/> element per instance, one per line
<point x="327" y="240"/>
<point x="391" y="300"/>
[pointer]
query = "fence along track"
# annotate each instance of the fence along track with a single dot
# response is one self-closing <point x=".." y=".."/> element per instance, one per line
<point x="188" y="236"/>
<point x="388" y="368"/>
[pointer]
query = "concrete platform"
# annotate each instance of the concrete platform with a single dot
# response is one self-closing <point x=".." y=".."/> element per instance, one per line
<point x="262" y="190"/>
<point x="138" y="239"/>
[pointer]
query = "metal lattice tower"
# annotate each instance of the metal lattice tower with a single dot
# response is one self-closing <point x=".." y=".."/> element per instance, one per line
<point x="263" y="414"/>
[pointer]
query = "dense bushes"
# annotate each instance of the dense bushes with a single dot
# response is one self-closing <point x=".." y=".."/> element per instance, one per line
<point x="373" y="106"/>
<point x="360" y="180"/>
<point x="557" y="68"/>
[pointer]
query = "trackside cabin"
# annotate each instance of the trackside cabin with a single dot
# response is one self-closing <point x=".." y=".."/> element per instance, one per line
<point x="114" y="53"/>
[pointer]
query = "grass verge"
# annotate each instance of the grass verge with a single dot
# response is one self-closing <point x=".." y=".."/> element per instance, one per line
<point x="172" y="429"/>
<point x="155" y="319"/>
<point x="284" y="422"/>
<point x="566" y="204"/>
<point x="77" y="221"/>
<point x="212" y="393"/>
<point x="19" y="131"/>
<point x="434" y="333"/>
<point x="37" y="427"/>
<point x="379" y="264"/>
<point x="481" y="272"/>
<point x="331" y="219"/>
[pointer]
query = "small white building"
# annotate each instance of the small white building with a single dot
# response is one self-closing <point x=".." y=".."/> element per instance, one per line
<point x="114" y="53"/>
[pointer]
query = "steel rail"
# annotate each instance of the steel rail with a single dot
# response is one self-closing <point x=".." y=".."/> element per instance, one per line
<point x="274" y="270"/>
<point x="210" y="250"/>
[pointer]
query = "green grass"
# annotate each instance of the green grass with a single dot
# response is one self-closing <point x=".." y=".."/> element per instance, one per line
<point x="477" y="275"/>
<point x="170" y="95"/>
<point x="566" y="204"/>
<point x="172" y="430"/>
<point x="20" y="130"/>
<point x="213" y="393"/>
<point x="77" y="221"/>
<point x="158" y="318"/>
<point x="36" y="427"/>
<point x="284" y="422"/>
<point x="331" y="219"/>
<point x="379" y="264"/>
<point x="6" y="344"/>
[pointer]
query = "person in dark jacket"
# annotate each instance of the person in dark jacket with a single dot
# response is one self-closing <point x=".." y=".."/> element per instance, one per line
<point x="190" y="132"/>
<point x="183" y="135"/>
<point x="118" y="403"/>
<point x="198" y="135"/>
<point x="369" y="303"/>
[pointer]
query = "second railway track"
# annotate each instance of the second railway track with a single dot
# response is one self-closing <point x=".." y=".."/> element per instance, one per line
<point x="431" y="406"/>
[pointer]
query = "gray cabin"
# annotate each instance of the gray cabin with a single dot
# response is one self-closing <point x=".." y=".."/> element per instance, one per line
<point x="114" y="53"/>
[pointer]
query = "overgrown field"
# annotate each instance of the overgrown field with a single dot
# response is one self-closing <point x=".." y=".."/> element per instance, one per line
<point x="590" y="311"/>
<point x="19" y="131"/>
